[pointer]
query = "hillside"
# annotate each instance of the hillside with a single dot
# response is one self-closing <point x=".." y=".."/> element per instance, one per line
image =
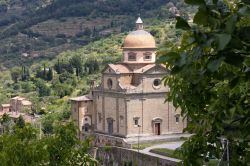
<point x="51" y="50"/>
<point x="35" y="30"/>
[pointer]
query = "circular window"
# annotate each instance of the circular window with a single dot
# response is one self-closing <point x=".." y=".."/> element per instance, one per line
<point x="157" y="83"/>
<point x="110" y="83"/>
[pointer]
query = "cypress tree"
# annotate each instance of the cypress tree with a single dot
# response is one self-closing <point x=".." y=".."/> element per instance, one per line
<point x="44" y="72"/>
<point x="23" y="74"/>
<point x="50" y="74"/>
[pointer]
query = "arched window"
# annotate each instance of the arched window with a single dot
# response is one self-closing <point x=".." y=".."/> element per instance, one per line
<point x="132" y="56"/>
<point x="110" y="83"/>
<point x="147" y="56"/>
<point x="177" y="118"/>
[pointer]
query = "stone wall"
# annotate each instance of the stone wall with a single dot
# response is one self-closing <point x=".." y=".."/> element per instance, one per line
<point x="107" y="140"/>
<point x="114" y="156"/>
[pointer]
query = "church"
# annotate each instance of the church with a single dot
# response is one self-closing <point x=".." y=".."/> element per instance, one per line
<point x="130" y="100"/>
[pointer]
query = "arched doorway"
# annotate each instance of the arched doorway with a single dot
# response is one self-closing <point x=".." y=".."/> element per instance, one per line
<point x="86" y="128"/>
<point x="157" y="129"/>
<point x="157" y="126"/>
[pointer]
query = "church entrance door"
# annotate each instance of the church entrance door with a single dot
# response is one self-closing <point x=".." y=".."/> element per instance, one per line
<point x="157" y="129"/>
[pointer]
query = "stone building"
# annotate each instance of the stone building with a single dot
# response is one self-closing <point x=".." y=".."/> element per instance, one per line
<point x="5" y="108"/>
<point x="20" y="104"/>
<point x="131" y="97"/>
<point x="82" y="113"/>
<point x="18" y="107"/>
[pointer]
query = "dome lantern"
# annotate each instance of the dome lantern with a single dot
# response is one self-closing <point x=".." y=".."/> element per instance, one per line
<point x="139" y="46"/>
<point x="139" y="24"/>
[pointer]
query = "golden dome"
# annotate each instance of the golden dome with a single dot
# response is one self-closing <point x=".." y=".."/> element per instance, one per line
<point x="139" y="39"/>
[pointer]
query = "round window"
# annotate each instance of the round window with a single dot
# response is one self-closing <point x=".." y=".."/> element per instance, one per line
<point x="110" y="83"/>
<point x="157" y="83"/>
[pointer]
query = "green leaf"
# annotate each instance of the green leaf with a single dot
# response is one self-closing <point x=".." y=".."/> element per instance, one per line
<point x="244" y="11"/>
<point x="201" y="17"/>
<point x="168" y="57"/>
<point x="215" y="1"/>
<point x="195" y="2"/>
<point x="175" y="70"/>
<point x="234" y="59"/>
<point x="246" y="1"/>
<point x="216" y="13"/>
<point x="231" y="23"/>
<point x="182" y="60"/>
<point x="215" y="64"/>
<point x="182" y="24"/>
<point x="234" y="82"/>
<point x="223" y="40"/>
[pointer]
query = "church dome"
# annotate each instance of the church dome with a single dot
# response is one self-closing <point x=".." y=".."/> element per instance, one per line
<point x="139" y="39"/>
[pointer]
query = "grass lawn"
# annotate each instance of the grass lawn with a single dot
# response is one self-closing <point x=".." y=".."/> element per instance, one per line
<point x="145" y="145"/>
<point x="166" y="152"/>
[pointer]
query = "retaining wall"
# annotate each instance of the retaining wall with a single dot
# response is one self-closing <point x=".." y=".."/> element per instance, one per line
<point x="115" y="156"/>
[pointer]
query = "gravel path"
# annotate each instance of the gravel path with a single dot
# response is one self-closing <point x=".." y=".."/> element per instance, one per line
<point x="169" y="145"/>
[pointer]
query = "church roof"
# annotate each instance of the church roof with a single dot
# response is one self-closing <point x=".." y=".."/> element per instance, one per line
<point x="139" y="39"/>
<point x="124" y="68"/>
<point x="81" y="98"/>
<point x="145" y="68"/>
<point x="120" y="68"/>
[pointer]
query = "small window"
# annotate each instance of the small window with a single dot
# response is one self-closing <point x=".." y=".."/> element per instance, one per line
<point x="147" y="56"/>
<point x="177" y="118"/>
<point x="157" y="82"/>
<point x="110" y="83"/>
<point x="86" y="119"/>
<point x="136" y="121"/>
<point x="132" y="56"/>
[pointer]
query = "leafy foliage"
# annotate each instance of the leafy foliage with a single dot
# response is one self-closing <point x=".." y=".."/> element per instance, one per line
<point x="22" y="147"/>
<point x="209" y="80"/>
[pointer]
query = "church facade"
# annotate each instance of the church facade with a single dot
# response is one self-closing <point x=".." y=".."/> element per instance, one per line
<point x="130" y="100"/>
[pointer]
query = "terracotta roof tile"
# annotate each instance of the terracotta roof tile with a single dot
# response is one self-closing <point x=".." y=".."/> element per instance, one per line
<point x="26" y="103"/>
<point x="145" y="68"/>
<point x="5" y="105"/>
<point x="120" y="68"/>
